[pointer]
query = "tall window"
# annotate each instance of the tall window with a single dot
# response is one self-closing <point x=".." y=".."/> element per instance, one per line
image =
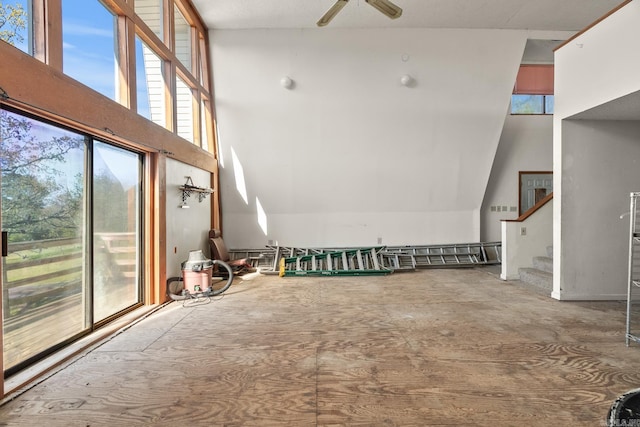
<point x="151" y="12"/>
<point x="150" y="84"/>
<point x="533" y="91"/>
<point x="184" y="110"/>
<point x="182" y="31"/>
<point x="91" y="45"/>
<point x="88" y="38"/>
<point x="15" y="24"/>
<point x="205" y="125"/>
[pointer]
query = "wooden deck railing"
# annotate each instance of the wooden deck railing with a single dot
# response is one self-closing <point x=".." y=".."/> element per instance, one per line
<point x="33" y="279"/>
<point x="36" y="279"/>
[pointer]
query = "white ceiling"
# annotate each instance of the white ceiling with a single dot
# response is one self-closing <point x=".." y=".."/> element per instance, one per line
<point x="542" y="15"/>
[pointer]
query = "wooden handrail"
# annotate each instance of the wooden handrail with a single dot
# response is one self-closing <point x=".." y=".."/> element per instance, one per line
<point x="532" y="210"/>
<point x="593" y="24"/>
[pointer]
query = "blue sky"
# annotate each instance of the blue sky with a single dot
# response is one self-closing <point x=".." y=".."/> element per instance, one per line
<point x="88" y="40"/>
<point x="89" y="47"/>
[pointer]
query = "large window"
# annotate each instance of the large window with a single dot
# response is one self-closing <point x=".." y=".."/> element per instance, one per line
<point x="152" y="13"/>
<point x="184" y="109"/>
<point x="182" y="38"/>
<point x="46" y="283"/>
<point x="88" y="38"/>
<point x="15" y="24"/>
<point x="150" y="84"/>
<point x="138" y="72"/>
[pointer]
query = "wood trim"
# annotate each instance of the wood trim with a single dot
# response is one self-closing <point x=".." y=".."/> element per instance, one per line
<point x="533" y="210"/>
<point x="215" y="200"/>
<point x="126" y="63"/>
<point x="53" y="33"/>
<point x="39" y="30"/>
<point x="157" y="225"/>
<point x="593" y="24"/>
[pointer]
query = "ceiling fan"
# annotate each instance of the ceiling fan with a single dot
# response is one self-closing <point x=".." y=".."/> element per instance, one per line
<point x="384" y="6"/>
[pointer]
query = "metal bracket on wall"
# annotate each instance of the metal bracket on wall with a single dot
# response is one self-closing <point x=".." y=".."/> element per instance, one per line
<point x="188" y="188"/>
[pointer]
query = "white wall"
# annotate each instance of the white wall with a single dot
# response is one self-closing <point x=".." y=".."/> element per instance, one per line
<point x="349" y="155"/>
<point x="518" y="249"/>
<point x="601" y="167"/>
<point x="595" y="161"/>
<point x="526" y="144"/>
<point x="187" y="229"/>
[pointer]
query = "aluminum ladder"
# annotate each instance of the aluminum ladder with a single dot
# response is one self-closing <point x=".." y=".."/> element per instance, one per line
<point x="346" y="262"/>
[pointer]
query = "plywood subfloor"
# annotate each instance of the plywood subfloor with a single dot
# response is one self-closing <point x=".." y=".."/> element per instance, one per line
<point x="430" y="348"/>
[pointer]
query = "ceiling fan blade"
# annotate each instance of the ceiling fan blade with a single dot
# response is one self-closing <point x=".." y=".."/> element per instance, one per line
<point x="331" y="13"/>
<point x="386" y="7"/>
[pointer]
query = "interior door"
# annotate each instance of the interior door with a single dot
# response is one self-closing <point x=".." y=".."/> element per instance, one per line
<point x="534" y="186"/>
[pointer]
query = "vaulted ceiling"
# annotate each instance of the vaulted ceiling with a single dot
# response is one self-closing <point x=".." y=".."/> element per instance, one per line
<point x="542" y="15"/>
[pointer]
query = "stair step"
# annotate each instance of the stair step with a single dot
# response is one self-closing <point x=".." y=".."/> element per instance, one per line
<point x="543" y="263"/>
<point x="538" y="278"/>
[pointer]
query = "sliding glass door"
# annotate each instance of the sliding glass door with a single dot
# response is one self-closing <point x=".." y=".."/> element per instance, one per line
<point x="71" y="221"/>
<point x="44" y="228"/>
<point x="117" y="183"/>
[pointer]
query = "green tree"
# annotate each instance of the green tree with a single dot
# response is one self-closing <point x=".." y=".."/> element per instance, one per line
<point x="13" y="20"/>
<point x="35" y="205"/>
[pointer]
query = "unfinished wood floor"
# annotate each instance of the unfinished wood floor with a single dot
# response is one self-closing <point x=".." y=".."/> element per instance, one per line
<point x="430" y="348"/>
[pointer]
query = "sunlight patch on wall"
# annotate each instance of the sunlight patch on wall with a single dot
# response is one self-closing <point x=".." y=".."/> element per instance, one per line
<point x="238" y="172"/>
<point x="262" y="216"/>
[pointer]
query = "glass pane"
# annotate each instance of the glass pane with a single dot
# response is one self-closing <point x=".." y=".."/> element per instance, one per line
<point x="116" y="222"/>
<point x="43" y="212"/>
<point x="88" y="45"/>
<point x="202" y="63"/>
<point x="184" y="107"/>
<point x="205" y="124"/>
<point x="548" y="104"/>
<point x="150" y="84"/>
<point x="527" y="104"/>
<point x="117" y="183"/>
<point x="150" y="11"/>
<point x="15" y="24"/>
<point x="182" y="38"/>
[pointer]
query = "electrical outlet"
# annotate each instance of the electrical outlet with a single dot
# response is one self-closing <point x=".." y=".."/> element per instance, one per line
<point x="523" y="231"/>
<point x="270" y="242"/>
<point x="379" y="240"/>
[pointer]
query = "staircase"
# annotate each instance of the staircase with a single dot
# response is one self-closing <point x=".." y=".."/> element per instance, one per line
<point x="540" y="276"/>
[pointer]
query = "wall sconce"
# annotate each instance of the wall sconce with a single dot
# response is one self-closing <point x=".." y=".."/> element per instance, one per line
<point x="286" y="82"/>
<point x="188" y="188"/>
<point x="406" y="80"/>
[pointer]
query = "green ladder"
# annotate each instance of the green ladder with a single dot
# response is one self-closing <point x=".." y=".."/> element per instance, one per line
<point x="347" y="262"/>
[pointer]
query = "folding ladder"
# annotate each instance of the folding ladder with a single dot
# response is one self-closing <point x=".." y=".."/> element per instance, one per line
<point x="346" y="262"/>
<point x="455" y="255"/>
<point x="395" y="258"/>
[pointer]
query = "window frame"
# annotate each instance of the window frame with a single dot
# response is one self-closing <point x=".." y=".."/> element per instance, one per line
<point x="46" y="24"/>
<point x="534" y="80"/>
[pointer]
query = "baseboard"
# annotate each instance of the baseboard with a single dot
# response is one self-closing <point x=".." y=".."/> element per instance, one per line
<point x="564" y="296"/>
